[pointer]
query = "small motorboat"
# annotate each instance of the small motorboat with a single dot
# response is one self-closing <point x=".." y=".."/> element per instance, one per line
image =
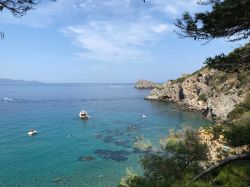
<point x="84" y="115"/>
<point x="144" y="117"/>
<point x="32" y="132"/>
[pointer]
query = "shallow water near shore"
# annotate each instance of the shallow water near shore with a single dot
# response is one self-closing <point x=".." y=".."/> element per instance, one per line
<point x="68" y="151"/>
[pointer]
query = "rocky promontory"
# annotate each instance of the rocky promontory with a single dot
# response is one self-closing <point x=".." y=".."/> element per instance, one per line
<point x="212" y="91"/>
<point x="145" y="84"/>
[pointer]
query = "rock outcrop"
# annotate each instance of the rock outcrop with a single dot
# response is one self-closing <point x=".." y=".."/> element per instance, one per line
<point x="211" y="91"/>
<point x="144" y="84"/>
<point x="217" y="149"/>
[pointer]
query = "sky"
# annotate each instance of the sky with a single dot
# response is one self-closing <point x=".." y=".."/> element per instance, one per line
<point x="102" y="41"/>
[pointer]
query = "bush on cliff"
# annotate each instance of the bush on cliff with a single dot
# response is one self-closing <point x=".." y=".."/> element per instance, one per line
<point x="240" y="109"/>
<point x="238" y="127"/>
<point x="234" y="62"/>
<point x="176" y="161"/>
<point x="202" y="97"/>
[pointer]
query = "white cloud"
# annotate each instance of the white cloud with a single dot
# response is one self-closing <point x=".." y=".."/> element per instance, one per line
<point x="174" y="8"/>
<point x="161" y="28"/>
<point x="171" y="10"/>
<point x="115" y="42"/>
<point x="125" y="29"/>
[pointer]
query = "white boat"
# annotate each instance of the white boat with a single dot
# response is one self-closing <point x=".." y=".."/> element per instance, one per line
<point x="144" y="117"/>
<point x="32" y="132"/>
<point x="84" y="115"/>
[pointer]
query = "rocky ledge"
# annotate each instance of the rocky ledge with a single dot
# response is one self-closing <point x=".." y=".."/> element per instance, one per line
<point x="217" y="149"/>
<point x="212" y="91"/>
<point x="144" y="84"/>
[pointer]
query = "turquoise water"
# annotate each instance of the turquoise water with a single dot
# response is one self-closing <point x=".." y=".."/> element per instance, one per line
<point x="51" y="158"/>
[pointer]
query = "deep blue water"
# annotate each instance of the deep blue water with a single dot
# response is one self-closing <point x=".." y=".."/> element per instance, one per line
<point x="51" y="158"/>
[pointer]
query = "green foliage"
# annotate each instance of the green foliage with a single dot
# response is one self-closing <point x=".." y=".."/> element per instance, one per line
<point x="183" y="77"/>
<point x="227" y="18"/>
<point x="237" y="112"/>
<point x="217" y="81"/>
<point x="236" y="174"/>
<point x="219" y="78"/>
<point x="240" y="92"/>
<point x="238" y="126"/>
<point x="240" y="109"/>
<point x="142" y="144"/>
<point x="236" y="61"/>
<point x="202" y="97"/>
<point x="215" y="130"/>
<point x="180" y="153"/>
<point x="180" y="80"/>
<point x="244" y="77"/>
<point x="130" y="179"/>
<point x="239" y="131"/>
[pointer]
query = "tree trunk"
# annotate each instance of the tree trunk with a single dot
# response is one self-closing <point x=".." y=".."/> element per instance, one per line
<point x="223" y="163"/>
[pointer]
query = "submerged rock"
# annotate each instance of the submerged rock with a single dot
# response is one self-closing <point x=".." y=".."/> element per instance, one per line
<point x="57" y="180"/>
<point x="117" y="156"/>
<point x="114" y="132"/>
<point x="122" y="143"/>
<point x="86" y="158"/>
<point x="132" y="128"/>
<point x="108" y="139"/>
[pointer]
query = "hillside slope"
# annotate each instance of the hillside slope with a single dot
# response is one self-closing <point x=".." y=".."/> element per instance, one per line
<point x="214" y="89"/>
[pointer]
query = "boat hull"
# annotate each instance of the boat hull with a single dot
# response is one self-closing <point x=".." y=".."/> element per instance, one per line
<point x="32" y="133"/>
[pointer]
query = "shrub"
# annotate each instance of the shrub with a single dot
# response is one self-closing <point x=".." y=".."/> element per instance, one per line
<point x="240" y="109"/>
<point x="238" y="129"/>
<point x="202" y="97"/>
<point x="217" y="130"/>
<point x="240" y="92"/>
<point x="233" y="62"/>
<point x="142" y="144"/>
<point x="199" y="75"/>
<point x="221" y="77"/>
<point x="181" y="80"/>
<point x="236" y="174"/>
<point x="244" y="77"/>
<point x="238" y="133"/>
<point x="180" y="152"/>
<point x="130" y="180"/>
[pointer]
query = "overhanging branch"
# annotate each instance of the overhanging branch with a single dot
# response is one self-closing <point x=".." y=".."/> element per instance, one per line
<point x="222" y="164"/>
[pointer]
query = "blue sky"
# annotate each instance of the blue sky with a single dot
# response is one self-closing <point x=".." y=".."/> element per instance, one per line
<point x="101" y="41"/>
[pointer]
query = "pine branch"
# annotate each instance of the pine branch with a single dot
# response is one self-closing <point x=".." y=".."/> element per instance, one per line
<point x="222" y="164"/>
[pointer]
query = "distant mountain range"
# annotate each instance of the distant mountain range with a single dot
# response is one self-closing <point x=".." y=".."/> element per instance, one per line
<point x="11" y="81"/>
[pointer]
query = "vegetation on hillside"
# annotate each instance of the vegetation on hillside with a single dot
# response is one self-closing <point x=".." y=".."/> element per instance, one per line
<point x="233" y="70"/>
<point x="238" y="127"/>
<point x="178" y="157"/>
<point x="236" y="61"/>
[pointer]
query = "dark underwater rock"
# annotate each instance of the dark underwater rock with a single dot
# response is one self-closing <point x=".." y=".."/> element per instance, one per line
<point x="117" y="156"/>
<point x="86" y="158"/>
<point x="57" y="180"/>
<point x="132" y="128"/>
<point x="122" y="143"/>
<point x="108" y="139"/>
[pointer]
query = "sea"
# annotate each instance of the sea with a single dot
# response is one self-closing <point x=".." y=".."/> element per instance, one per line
<point x="68" y="151"/>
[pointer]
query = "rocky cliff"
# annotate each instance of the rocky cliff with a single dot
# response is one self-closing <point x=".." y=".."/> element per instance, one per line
<point x="210" y="90"/>
<point x="144" y="84"/>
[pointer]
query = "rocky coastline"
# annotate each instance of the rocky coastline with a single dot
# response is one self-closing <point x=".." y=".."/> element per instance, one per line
<point x="145" y="84"/>
<point x="208" y="90"/>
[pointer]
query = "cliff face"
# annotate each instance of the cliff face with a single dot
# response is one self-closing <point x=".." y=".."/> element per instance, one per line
<point x="212" y="91"/>
<point x="144" y="84"/>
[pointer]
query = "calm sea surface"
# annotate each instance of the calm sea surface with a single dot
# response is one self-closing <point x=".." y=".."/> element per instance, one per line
<point x="51" y="158"/>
